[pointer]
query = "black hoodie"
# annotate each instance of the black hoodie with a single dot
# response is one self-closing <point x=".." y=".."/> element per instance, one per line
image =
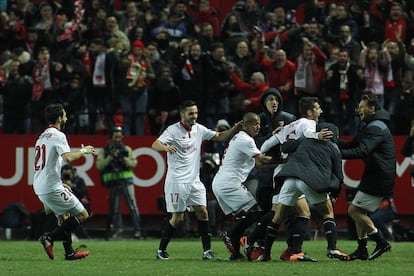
<point x="268" y="123"/>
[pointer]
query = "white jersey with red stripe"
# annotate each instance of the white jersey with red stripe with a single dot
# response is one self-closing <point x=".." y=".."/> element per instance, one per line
<point x="49" y="148"/>
<point x="238" y="159"/>
<point x="184" y="165"/>
<point x="300" y="128"/>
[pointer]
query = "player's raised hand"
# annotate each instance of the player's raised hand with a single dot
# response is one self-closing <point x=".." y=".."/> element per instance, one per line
<point x="87" y="149"/>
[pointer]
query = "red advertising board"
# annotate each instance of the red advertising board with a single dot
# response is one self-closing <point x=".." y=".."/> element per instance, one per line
<point x="16" y="174"/>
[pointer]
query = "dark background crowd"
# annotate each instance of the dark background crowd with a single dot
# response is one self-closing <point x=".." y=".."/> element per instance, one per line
<point x="131" y="63"/>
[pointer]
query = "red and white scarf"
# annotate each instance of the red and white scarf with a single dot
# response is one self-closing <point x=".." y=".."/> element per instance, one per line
<point x="98" y="76"/>
<point x="40" y="74"/>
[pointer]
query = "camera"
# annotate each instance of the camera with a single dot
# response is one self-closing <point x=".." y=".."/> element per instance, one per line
<point x="118" y="152"/>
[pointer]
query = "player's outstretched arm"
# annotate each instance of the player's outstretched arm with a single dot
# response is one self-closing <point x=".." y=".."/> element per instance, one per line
<point x="69" y="157"/>
<point x="269" y="143"/>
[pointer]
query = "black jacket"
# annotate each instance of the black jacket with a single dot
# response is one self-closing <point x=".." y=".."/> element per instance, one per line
<point x="375" y="146"/>
<point x="317" y="163"/>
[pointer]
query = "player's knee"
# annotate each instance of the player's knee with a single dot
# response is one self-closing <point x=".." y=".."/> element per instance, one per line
<point x="83" y="215"/>
<point x="353" y="211"/>
<point x="305" y="213"/>
<point x="176" y="219"/>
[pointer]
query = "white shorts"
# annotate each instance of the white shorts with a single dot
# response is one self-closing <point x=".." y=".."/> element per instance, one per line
<point x="275" y="198"/>
<point x="293" y="188"/>
<point x="232" y="196"/>
<point x="367" y="202"/>
<point x="62" y="201"/>
<point x="178" y="196"/>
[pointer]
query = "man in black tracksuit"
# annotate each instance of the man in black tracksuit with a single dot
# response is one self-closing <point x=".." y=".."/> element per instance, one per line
<point x="374" y="145"/>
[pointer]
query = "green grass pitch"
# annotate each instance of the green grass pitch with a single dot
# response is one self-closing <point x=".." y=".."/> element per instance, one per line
<point x="137" y="257"/>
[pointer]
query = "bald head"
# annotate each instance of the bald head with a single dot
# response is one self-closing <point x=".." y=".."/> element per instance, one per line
<point x="251" y="123"/>
<point x="250" y="117"/>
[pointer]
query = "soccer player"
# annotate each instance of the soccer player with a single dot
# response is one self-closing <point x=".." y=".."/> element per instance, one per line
<point x="310" y="112"/>
<point x="51" y="150"/>
<point x="313" y="169"/>
<point x="374" y="145"/>
<point x="182" y="141"/>
<point x="233" y="197"/>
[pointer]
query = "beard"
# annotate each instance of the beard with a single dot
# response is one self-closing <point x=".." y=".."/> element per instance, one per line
<point x="62" y="126"/>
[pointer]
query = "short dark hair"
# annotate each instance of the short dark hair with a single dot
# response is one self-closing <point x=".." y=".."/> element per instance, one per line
<point x="67" y="167"/>
<point x="371" y="99"/>
<point x="306" y="103"/>
<point x="216" y="45"/>
<point x="52" y="113"/>
<point x="186" y="104"/>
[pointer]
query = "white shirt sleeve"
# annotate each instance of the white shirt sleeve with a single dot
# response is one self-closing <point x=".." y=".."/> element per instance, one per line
<point x="309" y="130"/>
<point x="269" y="143"/>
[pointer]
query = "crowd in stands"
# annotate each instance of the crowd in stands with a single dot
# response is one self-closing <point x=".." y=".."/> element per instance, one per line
<point x="131" y="63"/>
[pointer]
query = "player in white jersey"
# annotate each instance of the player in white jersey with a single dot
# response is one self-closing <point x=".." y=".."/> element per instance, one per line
<point x="182" y="141"/>
<point x="51" y="150"/>
<point x="240" y="157"/>
<point x="310" y="111"/>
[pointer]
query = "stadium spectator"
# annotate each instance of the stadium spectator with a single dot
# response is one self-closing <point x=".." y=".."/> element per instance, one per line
<point x="282" y="24"/>
<point x="375" y="63"/>
<point x="133" y="96"/>
<point x="46" y="76"/>
<point x="166" y="99"/>
<point x="231" y="32"/>
<point x="16" y="90"/>
<point x="346" y="41"/>
<point x="335" y="23"/>
<point x="99" y="87"/>
<point x="395" y="24"/>
<point x="250" y="14"/>
<point x="73" y="99"/>
<point x="173" y="26"/>
<point x="397" y="102"/>
<point x="112" y="31"/>
<point x="280" y="74"/>
<point x="206" y="14"/>
<point x="206" y="37"/>
<point x="218" y="77"/>
<point x="344" y="83"/>
<point x="244" y="61"/>
<point x="182" y="8"/>
<point x="309" y="70"/>
<point x="252" y="92"/>
<point x="131" y="18"/>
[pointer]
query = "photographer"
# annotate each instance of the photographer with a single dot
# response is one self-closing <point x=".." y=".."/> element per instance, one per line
<point x="115" y="162"/>
<point x="76" y="184"/>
